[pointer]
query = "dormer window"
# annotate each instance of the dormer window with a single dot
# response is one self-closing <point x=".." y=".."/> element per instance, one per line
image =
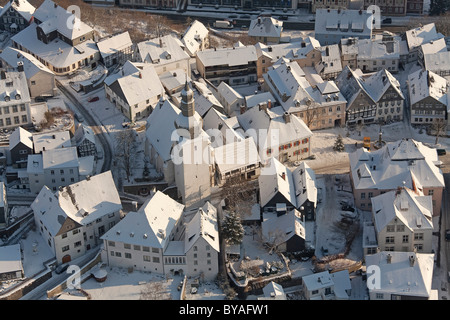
<point x="7" y="98"/>
<point x="17" y="96"/>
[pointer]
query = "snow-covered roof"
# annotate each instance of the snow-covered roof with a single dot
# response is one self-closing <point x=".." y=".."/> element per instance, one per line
<point x="421" y="35"/>
<point x="413" y="210"/>
<point x="34" y="164"/>
<point x="378" y="83"/>
<point x="14" y="89"/>
<point x="86" y="166"/>
<point x="174" y="80"/>
<point x="137" y="87"/>
<point x="55" y="18"/>
<point x="330" y="60"/>
<point x="292" y="50"/>
<point x="276" y="178"/>
<point x="305" y="184"/>
<point x="407" y="273"/>
<point x="83" y="132"/>
<point x="229" y="94"/>
<point x="161" y="124"/>
<point x="434" y="46"/>
<point x="342" y="284"/>
<point x="23" y="7"/>
<point x="404" y="162"/>
<point x="114" y="44"/>
<point x="435" y="62"/>
<point x="193" y="36"/>
<point x="51" y="140"/>
<point x="57" y="53"/>
<point x="424" y="83"/>
<point x="371" y="49"/>
<point x="347" y="23"/>
<point x="83" y="202"/>
<point x="20" y="135"/>
<point x="162" y="50"/>
<point x="265" y="27"/>
<point x="235" y="56"/>
<point x="236" y="154"/>
<point x="60" y="158"/>
<point x="151" y="225"/>
<point x="203" y="225"/>
<point x="279" y="229"/>
<point x="281" y="128"/>
<point x="222" y="128"/>
<point x="274" y="290"/>
<point x="318" y="281"/>
<point x="31" y="65"/>
<point x="90" y="199"/>
<point x="10" y="259"/>
<point x="259" y="98"/>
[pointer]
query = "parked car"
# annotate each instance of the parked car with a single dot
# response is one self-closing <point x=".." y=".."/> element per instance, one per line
<point x="387" y="20"/>
<point x="93" y="99"/>
<point x="40" y="99"/>
<point x="79" y="117"/>
<point x="441" y="152"/>
<point x="61" y="268"/>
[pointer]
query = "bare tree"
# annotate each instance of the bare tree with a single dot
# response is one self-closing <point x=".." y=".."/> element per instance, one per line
<point x="125" y="150"/>
<point x="438" y="127"/>
<point x="311" y="112"/>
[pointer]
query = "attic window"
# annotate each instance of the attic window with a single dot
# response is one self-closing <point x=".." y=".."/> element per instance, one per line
<point x="191" y="237"/>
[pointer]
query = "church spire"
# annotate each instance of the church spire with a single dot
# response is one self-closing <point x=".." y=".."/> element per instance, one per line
<point x="187" y="101"/>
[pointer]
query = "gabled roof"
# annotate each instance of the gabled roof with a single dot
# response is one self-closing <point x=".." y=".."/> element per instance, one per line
<point x="277" y="178"/>
<point x="293" y="50"/>
<point x="10" y="259"/>
<point x="265" y="27"/>
<point x="31" y="65"/>
<point x="437" y="61"/>
<point x="346" y="22"/>
<point x="136" y="87"/>
<point x="421" y="35"/>
<point x="424" y="83"/>
<point x="280" y="127"/>
<point x="161" y="124"/>
<point x="151" y="225"/>
<point x="305" y="184"/>
<point x="54" y="17"/>
<point x="414" y="209"/>
<point x="114" y="44"/>
<point x="162" y="50"/>
<point x="193" y="36"/>
<point x="20" y="135"/>
<point x="23" y="7"/>
<point x="279" y="229"/>
<point x="378" y="83"/>
<point x="90" y="199"/>
<point x="203" y="225"/>
<point x="83" y="132"/>
<point x="404" y="162"/>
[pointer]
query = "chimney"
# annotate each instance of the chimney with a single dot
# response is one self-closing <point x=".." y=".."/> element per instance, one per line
<point x="20" y="66"/>
<point x="3" y="75"/>
<point x="412" y="259"/>
<point x="262" y="107"/>
<point x="269" y="104"/>
<point x="140" y="75"/>
<point x="287" y="117"/>
<point x="259" y="20"/>
<point x="134" y="205"/>
<point x="389" y="258"/>
<point x="243" y="109"/>
<point x="55" y="5"/>
<point x="160" y="43"/>
<point x="283" y="175"/>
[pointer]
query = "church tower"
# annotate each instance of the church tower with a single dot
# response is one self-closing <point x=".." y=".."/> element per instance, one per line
<point x="188" y="119"/>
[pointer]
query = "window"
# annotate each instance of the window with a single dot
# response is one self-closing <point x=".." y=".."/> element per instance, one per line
<point x="146" y="249"/>
<point x="418" y="236"/>
<point x="363" y="195"/>
<point x="75" y="231"/>
<point x="390" y="240"/>
<point x="314" y="292"/>
<point x="77" y="244"/>
<point x="155" y="250"/>
<point x="137" y="248"/>
<point x="127" y="246"/>
<point x="24" y="118"/>
<point x="64" y="235"/>
<point x="127" y="255"/>
<point x="155" y="259"/>
<point x="390" y="228"/>
<point x="118" y="254"/>
<point x="147" y="258"/>
<point x="379" y="296"/>
<point x="111" y="243"/>
<point x="400" y="228"/>
<point x="405" y="239"/>
<point x="430" y="192"/>
<point x="65" y="248"/>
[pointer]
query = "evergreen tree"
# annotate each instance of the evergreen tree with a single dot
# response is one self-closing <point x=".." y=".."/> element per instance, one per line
<point x="438" y="7"/>
<point x="339" y="144"/>
<point x="232" y="229"/>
